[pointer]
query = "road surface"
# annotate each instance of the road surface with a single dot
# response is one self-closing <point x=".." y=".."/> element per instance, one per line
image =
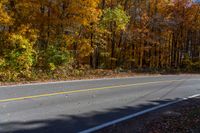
<point x="68" y="107"/>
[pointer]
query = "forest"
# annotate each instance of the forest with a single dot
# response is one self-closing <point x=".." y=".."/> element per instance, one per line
<point x="60" y="37"/>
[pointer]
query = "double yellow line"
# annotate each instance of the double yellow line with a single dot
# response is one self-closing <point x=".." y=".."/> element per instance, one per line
<point x="83" y="90"/>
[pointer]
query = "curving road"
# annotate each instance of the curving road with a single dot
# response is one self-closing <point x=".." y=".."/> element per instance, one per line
<point x="68" y="107"/>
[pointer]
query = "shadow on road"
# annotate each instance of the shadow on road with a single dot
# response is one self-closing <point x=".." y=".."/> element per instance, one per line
<point x="70" y="124"/>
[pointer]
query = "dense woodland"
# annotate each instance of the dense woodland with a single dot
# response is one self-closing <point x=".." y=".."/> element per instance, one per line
<point x="60" y="36"/>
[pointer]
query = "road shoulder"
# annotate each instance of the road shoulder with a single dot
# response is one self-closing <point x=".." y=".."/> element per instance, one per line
<point x="182" y="117"/>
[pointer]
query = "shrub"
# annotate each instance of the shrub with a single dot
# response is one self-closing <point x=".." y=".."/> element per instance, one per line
<point x="18" y="58"/>
<point x="51" y="58"/>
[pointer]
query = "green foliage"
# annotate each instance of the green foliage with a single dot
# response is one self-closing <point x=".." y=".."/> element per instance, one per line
<point x="2" y="63"/>
<point x="117" y="16"/>
<point x="56" y="57"/>
<point x="187" y="63"/>
<point x="196" y="66"/>
<point x="190" y="65"/>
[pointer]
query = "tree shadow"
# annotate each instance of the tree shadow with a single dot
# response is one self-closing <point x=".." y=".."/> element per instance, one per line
<point x="76" y="123"/>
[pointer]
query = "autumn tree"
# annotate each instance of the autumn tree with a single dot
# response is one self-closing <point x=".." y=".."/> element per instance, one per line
<point x="57" y="36"/>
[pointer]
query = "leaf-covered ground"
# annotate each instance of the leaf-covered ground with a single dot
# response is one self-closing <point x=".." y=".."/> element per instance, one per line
<point x="76" y="75"/>
<point x="183" y="117"/>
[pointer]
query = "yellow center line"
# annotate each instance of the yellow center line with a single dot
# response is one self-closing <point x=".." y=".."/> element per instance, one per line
<point x="84" y="90"/>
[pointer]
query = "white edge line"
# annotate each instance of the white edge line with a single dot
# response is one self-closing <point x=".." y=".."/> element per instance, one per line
<point x="135" y="115"/>
<point x="72" y="81"/>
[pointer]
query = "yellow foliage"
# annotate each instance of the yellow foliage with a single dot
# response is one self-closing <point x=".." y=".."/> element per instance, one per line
<point x="84" y="48"/>
<point x="4" y="17"/>
<point x="84" y="12"/>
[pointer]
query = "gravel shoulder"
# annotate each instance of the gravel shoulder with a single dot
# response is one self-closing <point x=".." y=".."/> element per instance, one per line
<point x="183" y="117"/>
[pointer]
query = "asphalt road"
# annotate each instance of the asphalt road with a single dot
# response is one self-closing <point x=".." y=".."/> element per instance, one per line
<point x="68" y="107"/>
